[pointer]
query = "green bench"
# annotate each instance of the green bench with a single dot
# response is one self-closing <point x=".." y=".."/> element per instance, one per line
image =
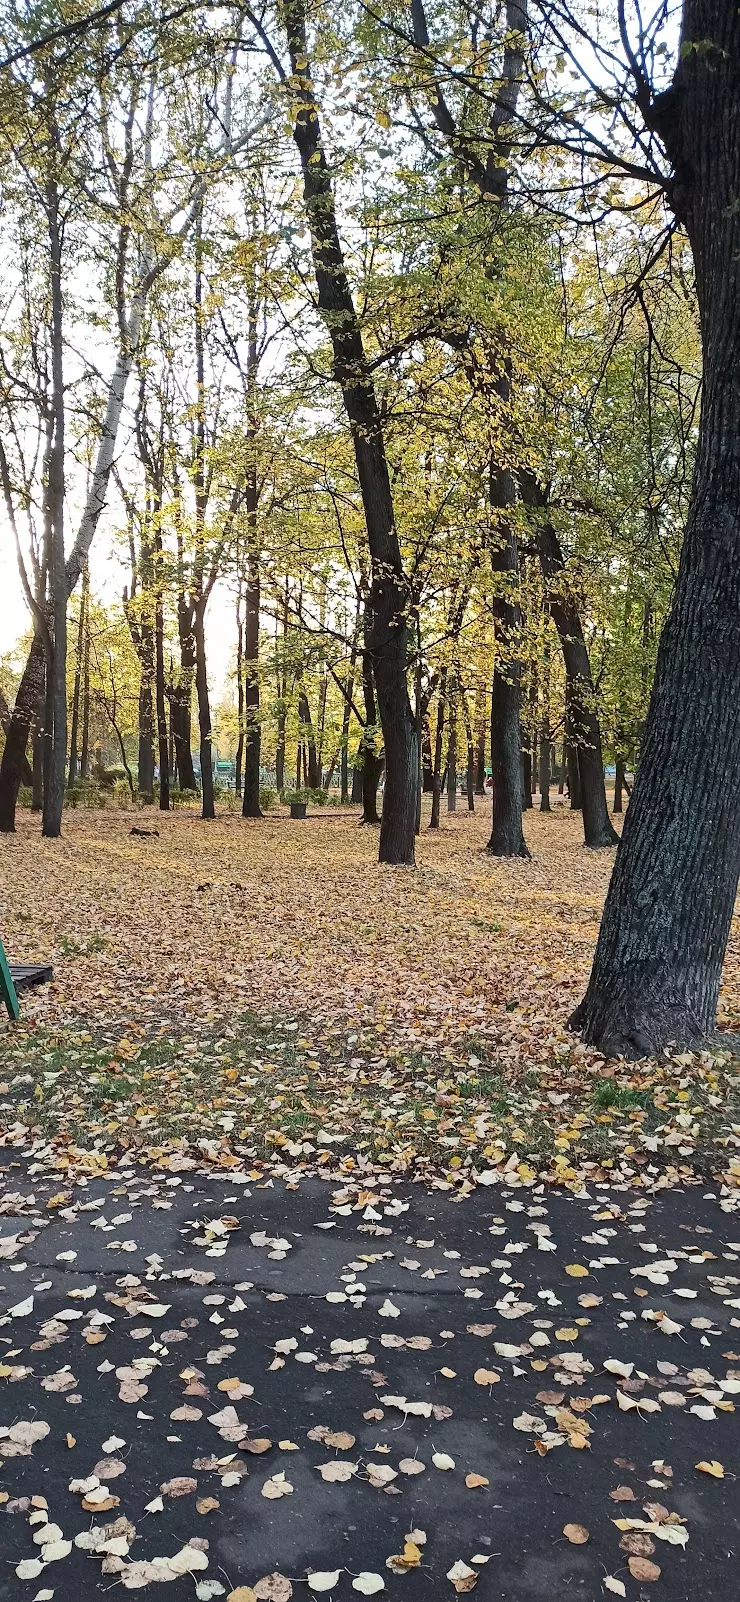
<point x="19" y="976"/>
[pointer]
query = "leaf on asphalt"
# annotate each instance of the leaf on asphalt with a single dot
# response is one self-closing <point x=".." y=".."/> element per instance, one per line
<point x="463" y="1578"/>
<point x="273" y="1587"/>
<point x="276" y="1487"/>
<point x="642" y="1569"/>
<point x="336" y="1472"/>
<point x="714" y="1468"/>
<point x="577" y="1534"/>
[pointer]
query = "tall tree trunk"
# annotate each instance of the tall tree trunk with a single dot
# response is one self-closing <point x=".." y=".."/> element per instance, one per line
<point x="618" y="784"/>
<point x="208" y="808"/>
<point x="480" y="725"/>
<point x="281" y="684"/>
<point x="372" y="765"/>
<point x="252" y="731"/>
<point x="545" y="755"/>
<point x="181" y="693"/>
<point x="526" y="761"/>
<point x="280" y="747"/>
<point x="470" y="746"/>
<point x="452" y="746"/>
<point x="388" y="601"/>
<point x="37" y="771"/>
<point x="5" y="722"/>
<point x="349" y="687"/>
<point x="438" y="747"/>
<point x="307" y="731"/>
<point x="56" y="681"/>
<point x="160" y="696"/>
<point x="85" y="742"/>
<point x="11" y="767"/>
<point x="585" y="729"/>
<point x="74" y="734"/>
<point x="145" y="781"/>
<point x="239" y="693"/>
<point x="570" y="753"/>
<point x="658" y="964"/>
<point x="507" y="835"/>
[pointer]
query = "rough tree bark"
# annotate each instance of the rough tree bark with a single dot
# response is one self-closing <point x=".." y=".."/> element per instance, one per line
<point x="656" y="973"/>
<point x="388" y="600"/>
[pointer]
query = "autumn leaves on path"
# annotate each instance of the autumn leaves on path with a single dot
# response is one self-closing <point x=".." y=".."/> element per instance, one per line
<point x="258" y="1392"/>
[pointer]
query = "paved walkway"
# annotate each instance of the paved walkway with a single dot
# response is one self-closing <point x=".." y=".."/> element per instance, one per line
<point x="216" y="1385"/>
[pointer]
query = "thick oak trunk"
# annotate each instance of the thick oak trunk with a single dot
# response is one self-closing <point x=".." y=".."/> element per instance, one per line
<point x="656" y="973"/>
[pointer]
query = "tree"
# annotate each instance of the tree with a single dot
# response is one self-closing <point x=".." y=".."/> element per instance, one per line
<point x="658" y="961"/>
<point x="387" y="604"/>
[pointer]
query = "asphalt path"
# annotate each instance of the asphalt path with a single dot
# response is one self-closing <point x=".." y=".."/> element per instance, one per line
<point x="175" y="1350"/>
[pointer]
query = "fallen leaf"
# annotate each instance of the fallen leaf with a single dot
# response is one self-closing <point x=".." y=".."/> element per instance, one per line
<point x="276" y="1487"/>
<point x="273" y="1588"/>
<point x="336" y="1473"/>
<point x="577" y="1534"/>
<point x="642" y="1569"/>
<point x="714" y="1468"/>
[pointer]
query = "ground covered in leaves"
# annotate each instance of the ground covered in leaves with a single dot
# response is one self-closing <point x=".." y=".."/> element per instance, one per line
<point x="266" y="993"/>
<point x="256" y="1391"/>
